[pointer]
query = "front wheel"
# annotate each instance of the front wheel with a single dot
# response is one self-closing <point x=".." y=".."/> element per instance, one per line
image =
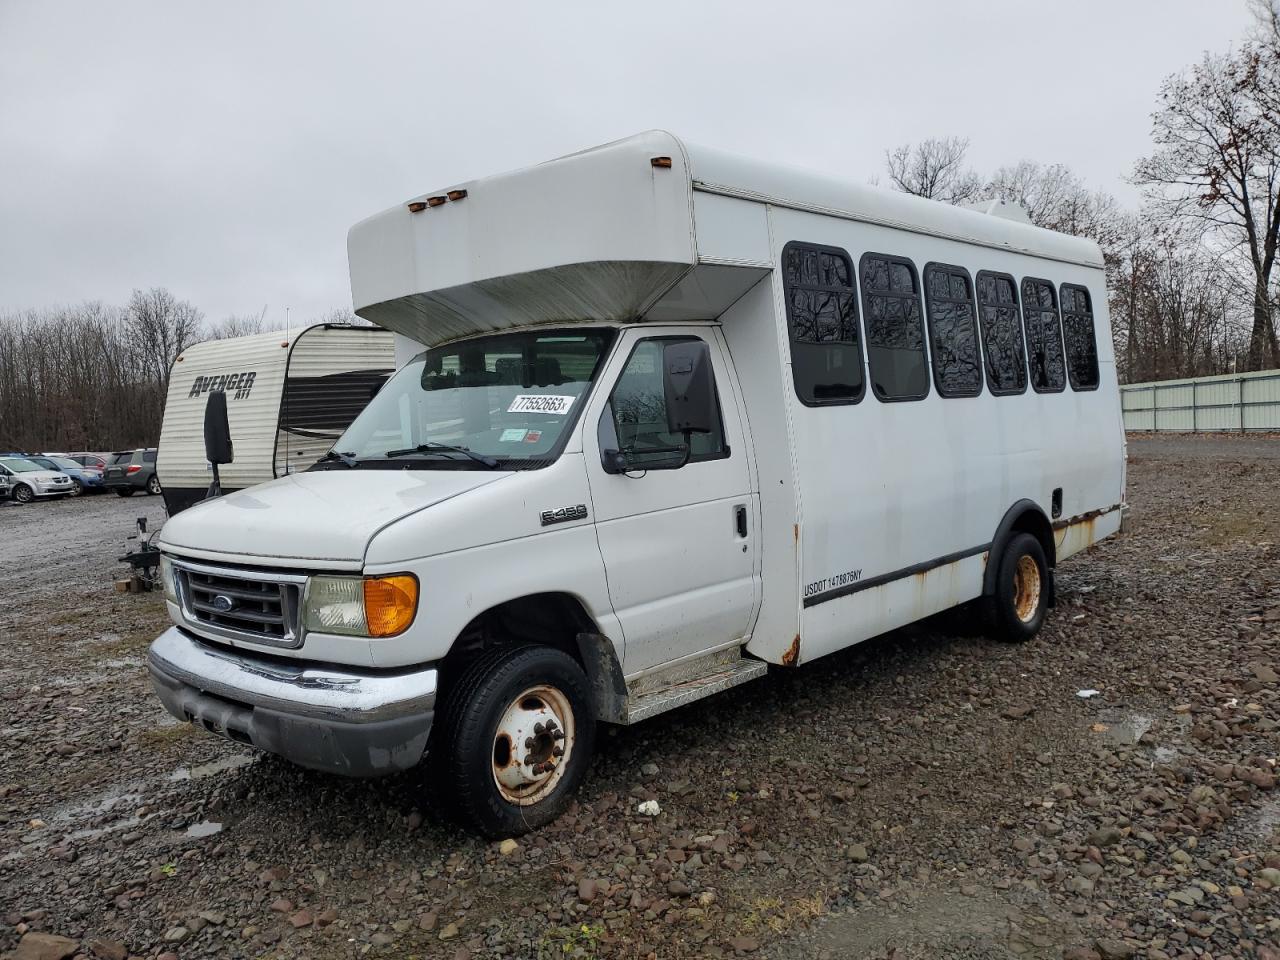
<point x="77" y="488"/>
<point x="23" y="494"/>
<point x="1017" y="609"/>
<point x="517" y="735"/>
<point x="153" y="485"/>
<point x="124" y="491"/>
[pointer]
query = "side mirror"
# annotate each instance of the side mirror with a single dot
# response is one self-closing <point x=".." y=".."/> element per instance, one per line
<point x="613" y="461"/>
<point x="217" y="429"/>
<point x="689" y="386"/>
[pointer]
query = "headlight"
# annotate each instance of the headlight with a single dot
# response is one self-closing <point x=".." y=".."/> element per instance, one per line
<point x="361" y="606"/>
<point x="168" y="578"/>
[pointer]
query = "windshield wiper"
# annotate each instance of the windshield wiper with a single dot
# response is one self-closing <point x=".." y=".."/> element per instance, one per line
<point x="445" y="448"/>
<point x="346" y="458"/>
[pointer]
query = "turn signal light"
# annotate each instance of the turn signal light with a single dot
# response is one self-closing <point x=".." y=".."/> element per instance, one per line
<point x="390" y="603"/>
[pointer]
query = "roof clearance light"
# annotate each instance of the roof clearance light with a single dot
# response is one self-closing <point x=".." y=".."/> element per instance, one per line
<point x="663" y="162"/>
<point x="417" y="206"/>
<point x="436" y="201"/>
<point x="457" y="194"/>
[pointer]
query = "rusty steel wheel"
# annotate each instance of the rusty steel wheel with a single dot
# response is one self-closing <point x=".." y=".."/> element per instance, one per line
<point x="1017" y="608"/>
<point x="533" y="745"/>
<point x="514" y="738"/>
<point x="1026" y="589"/>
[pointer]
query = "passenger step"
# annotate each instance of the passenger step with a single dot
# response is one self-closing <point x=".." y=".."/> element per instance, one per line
<point x="640" y="706"/>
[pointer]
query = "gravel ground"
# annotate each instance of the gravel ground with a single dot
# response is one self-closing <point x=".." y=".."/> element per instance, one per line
<point x="929" y="794"/>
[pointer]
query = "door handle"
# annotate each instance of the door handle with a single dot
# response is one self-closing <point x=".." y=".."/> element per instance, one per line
<point x="740" y="520"/>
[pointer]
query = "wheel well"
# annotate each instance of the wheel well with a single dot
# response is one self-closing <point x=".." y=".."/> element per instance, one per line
<point x="549" y="619"/>
<point x="1025" y="516"/>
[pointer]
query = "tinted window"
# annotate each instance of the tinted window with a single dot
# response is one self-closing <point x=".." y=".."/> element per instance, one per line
<point x="149" y="456"/>
<point x="122" y="458"/>
<point x="953" y="331"/>
<point x="1044" y="336"/>
<point x="638" y="409"/>
<point x="1082" y="348"/>
<point x="1001" y="333"/>
<point x="895" y="327"/>
<point x="822" y="317"/>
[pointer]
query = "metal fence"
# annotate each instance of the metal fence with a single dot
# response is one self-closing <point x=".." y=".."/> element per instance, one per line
<point x="1233" y="402"/>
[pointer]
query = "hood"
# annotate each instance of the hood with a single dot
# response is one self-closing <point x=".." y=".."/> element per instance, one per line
<point x="39" y="476"/>
<point x="325" y="515"/>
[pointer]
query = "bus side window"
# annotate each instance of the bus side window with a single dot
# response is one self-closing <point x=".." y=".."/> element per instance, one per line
<point x="1001" y="325"/>
<point x="895" y="327"/>
<point x="1082" y="347"/>
<point x="822" y="324"/>
<point x="1044" y="336"/>
<point x="953" y="331"/>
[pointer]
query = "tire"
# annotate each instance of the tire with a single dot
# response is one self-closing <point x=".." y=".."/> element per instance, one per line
<point x="124" y="491"/>
<point x="77" y="488"/>
<point x="499" y="697"/>
<point x="153" y="485"/>
<point x="23" y="494"/>
<point x="1017" y="610"/>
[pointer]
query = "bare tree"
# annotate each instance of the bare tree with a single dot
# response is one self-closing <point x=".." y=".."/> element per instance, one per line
<point x="239" y="325"/>
<point x="1055" y="198"/>
<point x="1217" y="164"/>
<point x="934" y="169"/>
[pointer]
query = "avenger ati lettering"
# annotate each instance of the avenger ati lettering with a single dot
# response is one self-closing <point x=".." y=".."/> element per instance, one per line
<point x="236" y="384"/>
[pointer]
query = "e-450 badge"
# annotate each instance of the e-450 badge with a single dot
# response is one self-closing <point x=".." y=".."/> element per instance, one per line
<point x="564" y="514"/>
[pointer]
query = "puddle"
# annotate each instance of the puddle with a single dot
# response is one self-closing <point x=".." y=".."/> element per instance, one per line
<point x="210" y="769"/>
<point x="205" y="828"/>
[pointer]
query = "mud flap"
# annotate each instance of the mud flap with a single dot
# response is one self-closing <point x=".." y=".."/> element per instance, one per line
<point x="608" y="687"/>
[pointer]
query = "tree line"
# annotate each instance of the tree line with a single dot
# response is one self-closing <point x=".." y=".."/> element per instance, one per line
<point x="95" y="376"/>
<point x="1191" y="273"/>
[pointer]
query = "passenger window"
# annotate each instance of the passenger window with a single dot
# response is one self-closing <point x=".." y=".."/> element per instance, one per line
<point x="1082" y="348"/>
<point x="822" y="318"/>
<point x="895" y="327"/>
<point x="953" y="331"/>
<point x="1002" y="346"/>
<point x="636" y="417"/>
<point x="1044" y="336"/>
<point x="149" y="456"/>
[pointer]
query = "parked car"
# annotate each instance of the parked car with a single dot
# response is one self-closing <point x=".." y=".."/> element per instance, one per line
<point x="82" y="478"/>
<point x="132" y="470"/>
<point x="89" y="460"/>
<point x="27" y="480"/>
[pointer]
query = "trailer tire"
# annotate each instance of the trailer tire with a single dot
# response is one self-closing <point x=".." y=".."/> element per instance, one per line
<point x="518" y="730"/>
<point x="1017" y="608"/>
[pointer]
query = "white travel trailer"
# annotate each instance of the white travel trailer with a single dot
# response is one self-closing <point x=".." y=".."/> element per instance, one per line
<point x="289" y="396"/>
<point x="669" y="417"/>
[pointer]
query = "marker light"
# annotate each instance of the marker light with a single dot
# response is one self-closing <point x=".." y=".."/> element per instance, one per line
<point x="436" y="201"/>
<point x="417" y="206"/>
<point x="390" y="603"/>
<point x="456" y="194"/>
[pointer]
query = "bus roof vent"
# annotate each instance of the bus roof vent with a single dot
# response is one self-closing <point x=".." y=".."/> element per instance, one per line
<point x="1004" y="209"/>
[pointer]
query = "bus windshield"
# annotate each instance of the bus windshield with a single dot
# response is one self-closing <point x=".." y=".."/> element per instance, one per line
<point x="502" y="401"/>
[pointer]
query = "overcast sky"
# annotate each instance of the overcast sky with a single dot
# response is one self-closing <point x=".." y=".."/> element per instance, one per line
<point x="222" y="150"/>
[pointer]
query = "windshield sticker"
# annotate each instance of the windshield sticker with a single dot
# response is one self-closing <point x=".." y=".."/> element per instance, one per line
<point x="533" y="436"/>
<point x="514" y="435"/>
<point x="540" y="403"/>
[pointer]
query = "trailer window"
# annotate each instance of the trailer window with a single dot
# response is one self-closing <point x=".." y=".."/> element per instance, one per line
<point x="953" y="331"/>
<point x="895" y="327"/>
<point x="1082" y="348"/>
<point x="1044" y="336"/>
<point x="822" y="319"/>
<point x="1001" y="333"/>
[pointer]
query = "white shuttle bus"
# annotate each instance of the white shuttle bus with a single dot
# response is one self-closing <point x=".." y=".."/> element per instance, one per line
<point x="664" y="418"/>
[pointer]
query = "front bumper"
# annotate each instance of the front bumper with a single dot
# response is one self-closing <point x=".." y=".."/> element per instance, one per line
<point x="50" y="489"/>
<point x="336" y="719"/>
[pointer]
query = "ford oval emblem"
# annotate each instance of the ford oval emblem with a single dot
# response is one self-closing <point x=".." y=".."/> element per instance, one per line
<point x="223" y="603"/>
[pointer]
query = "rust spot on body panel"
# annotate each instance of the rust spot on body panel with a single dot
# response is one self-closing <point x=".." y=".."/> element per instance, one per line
<point x="792" y="655"/>
<point x="795" y="531"/>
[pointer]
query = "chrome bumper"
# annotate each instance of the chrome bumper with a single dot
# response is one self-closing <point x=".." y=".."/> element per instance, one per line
<point x="326" y="717"/>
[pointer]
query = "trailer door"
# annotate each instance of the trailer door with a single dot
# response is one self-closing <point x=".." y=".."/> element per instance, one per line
<point x="678" y="541"/>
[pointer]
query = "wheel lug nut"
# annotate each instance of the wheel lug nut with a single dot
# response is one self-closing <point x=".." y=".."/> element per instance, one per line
<point x="559" y="735"/>
<point x="558" y="752"/>
<point x="528" y="743"/>
<point x="552" y="725"/>
<point x="537" y="728"/>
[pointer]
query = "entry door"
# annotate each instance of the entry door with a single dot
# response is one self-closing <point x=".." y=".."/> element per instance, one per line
<point x="679" y="542"/>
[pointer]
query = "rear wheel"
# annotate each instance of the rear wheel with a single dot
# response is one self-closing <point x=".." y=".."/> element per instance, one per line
<point x="77" y="487"/>
<point x="1017" y="609"/>
<point x="23" y="494"/>
<point x="124" y="491"/>
<point x="153" y="485"/>
<point x="516" y="738"/>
